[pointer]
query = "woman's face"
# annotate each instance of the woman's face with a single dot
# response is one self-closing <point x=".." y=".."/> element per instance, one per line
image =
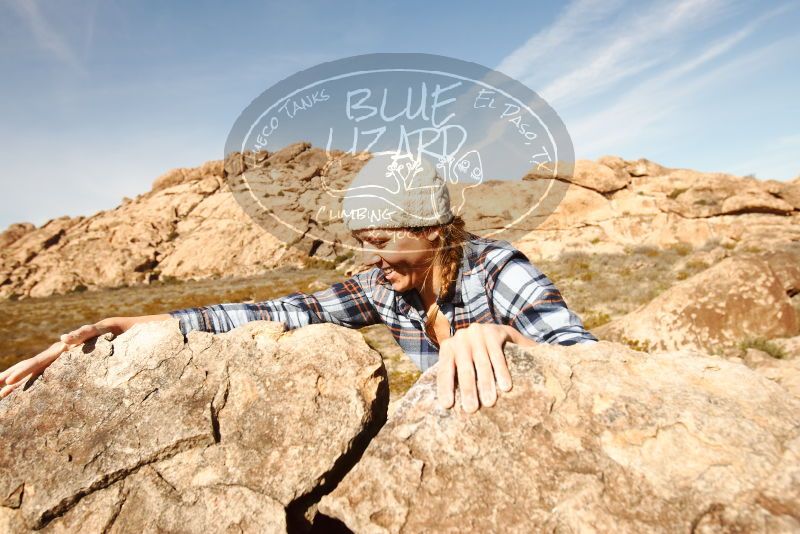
<point x="402" y="255"/>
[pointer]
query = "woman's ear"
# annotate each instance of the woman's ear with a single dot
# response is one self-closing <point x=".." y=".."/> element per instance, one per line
<point x="432" y="235"/>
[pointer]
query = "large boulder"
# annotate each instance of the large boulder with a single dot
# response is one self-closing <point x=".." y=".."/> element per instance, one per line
<point x="592" y="438"/>
<point x="231" y="432"/>
<point x="553" y="204"/>
<point x="736" y="299"/>
<point x="788" y="191"/>
<point x="591" y="175"/>
<point x="599" y="177"/>
<point x="693" y="194"/>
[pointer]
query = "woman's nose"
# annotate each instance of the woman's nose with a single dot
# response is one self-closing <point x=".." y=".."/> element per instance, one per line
<point x="370" y="257"/>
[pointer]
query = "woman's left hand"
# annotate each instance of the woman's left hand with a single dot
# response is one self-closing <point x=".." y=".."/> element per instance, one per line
<point x="475" y="349"/>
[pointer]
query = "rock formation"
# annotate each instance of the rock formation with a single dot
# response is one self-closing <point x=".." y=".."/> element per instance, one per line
<point x="592" y="438"/>
<point x="736" y="299"/>
<point x="154" y="236"/>
<point x="785" y="371"/>
<point x="608" y="205"/>
<point x="241" y="431"/>
<point x="261" y="430"/>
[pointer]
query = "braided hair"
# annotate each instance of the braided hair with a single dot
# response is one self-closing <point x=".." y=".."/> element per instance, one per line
<point x="448" y="252"/>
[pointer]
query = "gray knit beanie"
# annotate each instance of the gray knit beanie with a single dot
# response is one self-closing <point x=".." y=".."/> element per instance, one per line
<point x="395" y="190"/>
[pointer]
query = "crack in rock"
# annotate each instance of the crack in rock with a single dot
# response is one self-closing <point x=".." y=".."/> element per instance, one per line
<point x="70" y="502"/>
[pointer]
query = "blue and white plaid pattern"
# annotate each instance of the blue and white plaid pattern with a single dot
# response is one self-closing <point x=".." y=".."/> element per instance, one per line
<point x="496" y="284"/>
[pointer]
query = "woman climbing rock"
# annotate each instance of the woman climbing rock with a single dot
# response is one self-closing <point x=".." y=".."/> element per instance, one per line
<point x="446" y="295"/>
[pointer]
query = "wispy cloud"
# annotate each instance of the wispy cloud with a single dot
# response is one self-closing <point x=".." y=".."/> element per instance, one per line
<point x="634" y="109"/>
<point x="91" y="21"/>
<point x="633" y="46"/>
<point x="663" y="95"/>
<point x="657" y="59"/>
<point x="44" y="33"/>
<point x="598" y="46"/>
<point x="579" y="22"/>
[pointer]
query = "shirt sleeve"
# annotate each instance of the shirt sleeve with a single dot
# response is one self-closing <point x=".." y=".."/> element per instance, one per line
<point x="526" y="299"/>
<point x="345" y="303"/>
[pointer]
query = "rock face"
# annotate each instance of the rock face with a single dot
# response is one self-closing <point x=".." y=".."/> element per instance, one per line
<point x="262" y="430"/>
<point x="785" y="372"/>
<point x="737" y="299"/>
<point x="724" y="194"/>
<point x="786" y="267"/>
<point x="157" y="234"/>
<point x="603" y="177"/>
<point x="236" y="432"/>
<point x="592" y="438"/>
<point x="14" y="232"/>
<point x="608" y="205"/>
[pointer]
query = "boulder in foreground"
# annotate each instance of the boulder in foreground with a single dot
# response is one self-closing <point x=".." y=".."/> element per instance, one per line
<point x="592" y="438"/>
<point x="238" y="431"/>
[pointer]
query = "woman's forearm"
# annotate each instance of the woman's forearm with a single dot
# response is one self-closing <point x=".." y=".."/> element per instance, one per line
<point x="118" y="325"/>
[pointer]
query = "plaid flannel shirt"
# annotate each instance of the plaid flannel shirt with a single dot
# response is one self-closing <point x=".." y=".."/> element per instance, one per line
<point x="496" y="283"/>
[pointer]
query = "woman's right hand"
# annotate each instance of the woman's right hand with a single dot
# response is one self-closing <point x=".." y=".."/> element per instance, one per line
<point x="20" y="372"/>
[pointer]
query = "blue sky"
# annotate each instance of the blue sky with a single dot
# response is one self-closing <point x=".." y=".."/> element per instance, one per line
<point x="98" y="98"/>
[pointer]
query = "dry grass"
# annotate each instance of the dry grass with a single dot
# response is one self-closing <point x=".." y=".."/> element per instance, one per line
<point x="602" y="287"/>
<point x="29" y="326"/>
<point x="764" y="346"/>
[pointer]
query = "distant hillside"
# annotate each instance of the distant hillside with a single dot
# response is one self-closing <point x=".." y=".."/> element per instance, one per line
<point x="189" y="225"/>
